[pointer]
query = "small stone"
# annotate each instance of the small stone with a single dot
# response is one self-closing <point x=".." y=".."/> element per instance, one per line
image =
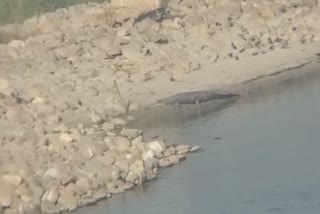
<point x="165" y="162"/>
<point x="131" y="133"/>
<point x="38" y="100"/>
<point x="4" y="84"/>
<point x="119" y="122"/>
<point x="133" y="178"/>
<point x="132" y="51"/>
<point x="183" y="149"/>
<point x="52" y="172"/>
<point x="6" y="194"/>
<point x="49" y="207"/>
<point x="100" y="194"/>
<point x="83" y="186"/>
<point x="66" y="137"/>
<point x="67" y="201"/>
<point x="96" y="119"/>
<point x="113" y="52"/>
<point x="14" y="179"/>
<point x="178" y="23"/>
<point x="123" y="32"/>
<point x="87" y="200"/>
<point x="106" y="126"/>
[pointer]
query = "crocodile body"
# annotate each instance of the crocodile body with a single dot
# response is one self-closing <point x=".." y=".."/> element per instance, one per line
<point x="195" y="97"/>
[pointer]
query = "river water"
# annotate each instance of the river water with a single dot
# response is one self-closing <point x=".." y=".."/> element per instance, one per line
<point x="259" y="156"/>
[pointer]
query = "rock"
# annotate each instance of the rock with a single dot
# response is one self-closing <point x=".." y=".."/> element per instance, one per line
<point x="158" y="146"/>
<point x="176" y="159"/>
<point x="51" y="172"/>
<point x="17" y="44"/>
<point x="49" y="208"/>
<point x="4" y="84"/>
<point x="96" y="118"/>
<point x="107" y="126"/>
<point x="169" y="151"/>
<point x="66" y="137"/>
<point x="123" y="32"/>
<point x="109" y="173"/>
<point x="113" y="52"/>
<point x="51" y="196"/>
<point x="178" y="23"/>
<point x="158" y="38"/>
<point x="67" y="201"/>
<point x="107" y="159"/>
<point x="100" y="194"/>
<point x="123" y="165"/>
<point x="148" y="155"/>
<point x="13" y="179"/>
<point x="130" y="133"/>
<point x="183" y="149"/>
<point x="134" y="178"/>
<point x="83" y="186"/>
<point x="133" y="50"/>
<point x="6" y="193"/>
<point x="118" y="142"/>
<point x="118" y="122"/>
<point x="165" y="162"/>
<point x="87" y="200"/>
<point x="194" y="149"/>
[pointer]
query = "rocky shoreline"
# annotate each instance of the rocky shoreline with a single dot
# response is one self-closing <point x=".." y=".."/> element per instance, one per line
<point x="68" y="80"/>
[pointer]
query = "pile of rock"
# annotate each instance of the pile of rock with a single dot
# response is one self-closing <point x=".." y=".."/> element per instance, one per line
<point x="53" y="168"/>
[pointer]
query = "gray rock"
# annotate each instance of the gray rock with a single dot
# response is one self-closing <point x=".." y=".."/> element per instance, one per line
<point x="83" y="186"/>
<point x="130" y="133"/>
<point x="133" y="178"/>
<point x="113" y="52"/>
<point x="133" y="50"/>
<point x="165" y="162"/>
<point x="49" y="208"/>
<point x="100" y="194"/>
<point x="13" y="179"/>
<point x="87" y="200"/>
<point x="183" y="149"/>
<point x="4" y="84"/>
<point x="158" y="38"/>
<point x="67" y="201"/>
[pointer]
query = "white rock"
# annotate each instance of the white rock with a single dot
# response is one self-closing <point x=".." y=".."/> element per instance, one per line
<point x="51" y="196"/>
<point x="158" y="146"/>
<point x="66" y="137"/>
<point x="148" y="155"/>
<point x="16" y="44"/>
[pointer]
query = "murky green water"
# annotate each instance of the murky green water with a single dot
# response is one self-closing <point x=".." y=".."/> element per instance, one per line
<point x="18" y="10"/>
<point x="267" y="161"/>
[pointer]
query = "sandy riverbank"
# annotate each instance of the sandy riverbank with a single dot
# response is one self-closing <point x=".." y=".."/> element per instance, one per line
<point x="63" y="138"/>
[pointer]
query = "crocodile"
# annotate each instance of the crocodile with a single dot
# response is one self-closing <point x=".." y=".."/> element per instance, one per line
<point x="195" y="97"/>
